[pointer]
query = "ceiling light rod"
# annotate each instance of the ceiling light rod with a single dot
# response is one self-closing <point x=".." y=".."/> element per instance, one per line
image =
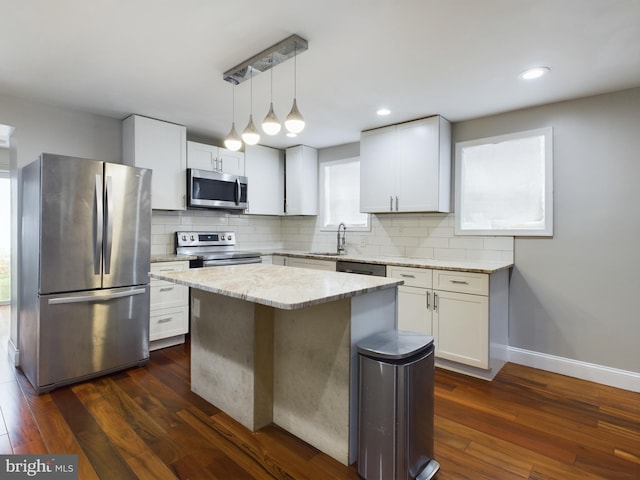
<point x="269" y="58"/>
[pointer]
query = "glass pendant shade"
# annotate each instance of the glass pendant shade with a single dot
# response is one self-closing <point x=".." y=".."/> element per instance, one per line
<point x="271" y="124"/>
<point x="233" y="142"/>
<point x="294" y="122"/>
<point x="251" y="136"/>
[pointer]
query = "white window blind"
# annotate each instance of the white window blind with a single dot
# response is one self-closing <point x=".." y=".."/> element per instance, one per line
<point x="504" y="185"/>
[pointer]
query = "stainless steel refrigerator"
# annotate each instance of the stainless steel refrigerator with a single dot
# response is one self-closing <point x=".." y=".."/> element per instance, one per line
<point x="84" y="264"/>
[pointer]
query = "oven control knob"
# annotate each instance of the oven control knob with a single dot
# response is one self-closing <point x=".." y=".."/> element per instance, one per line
<point x="192" y="238"/>
<point x="184" y="238"/>
<point x="228" y="237"/>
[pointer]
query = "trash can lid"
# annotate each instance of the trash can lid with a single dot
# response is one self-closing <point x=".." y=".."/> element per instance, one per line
<point x="394" y="344"/>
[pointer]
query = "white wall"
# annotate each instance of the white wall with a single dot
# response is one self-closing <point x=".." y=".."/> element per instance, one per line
<point x="41" y="128"/>
<point x="576" y="295"/>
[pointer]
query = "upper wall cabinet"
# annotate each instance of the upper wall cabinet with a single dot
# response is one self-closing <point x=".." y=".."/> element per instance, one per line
<point x="215" y="159"/>
<point x="301" y="177"/>
<point x="162" y="147"/>
<point x="406" y="167"/>
<point x="264" y="169"/>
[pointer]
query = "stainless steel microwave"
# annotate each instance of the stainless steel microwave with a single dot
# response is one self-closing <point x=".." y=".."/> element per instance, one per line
<point x="207" y="189"/>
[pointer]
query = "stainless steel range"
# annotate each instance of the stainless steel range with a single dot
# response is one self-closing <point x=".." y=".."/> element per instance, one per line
<point x="213" y="249"/>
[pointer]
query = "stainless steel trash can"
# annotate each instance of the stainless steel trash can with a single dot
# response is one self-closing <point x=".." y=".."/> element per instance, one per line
<point x="395" y="430"/>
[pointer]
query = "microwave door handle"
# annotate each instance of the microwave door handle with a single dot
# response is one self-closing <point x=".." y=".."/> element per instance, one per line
<point x="238" y="191"/>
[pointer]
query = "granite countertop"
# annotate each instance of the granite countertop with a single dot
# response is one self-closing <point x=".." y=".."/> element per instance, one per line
<point x="277" y="286"/>
<point x="476" y="266"/>
<point x="171" y="257"/>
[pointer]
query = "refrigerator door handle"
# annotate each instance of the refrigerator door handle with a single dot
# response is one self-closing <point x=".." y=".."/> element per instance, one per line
<point x="98" y="226"/>
<point x="95" y="298"/>
<point x="109" y="226"/>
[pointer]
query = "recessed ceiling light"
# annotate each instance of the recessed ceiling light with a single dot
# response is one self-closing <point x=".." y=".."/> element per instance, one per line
<point x="535" y="72"/>
<point x="383" y="111"/>
<point x="291" y="134"/>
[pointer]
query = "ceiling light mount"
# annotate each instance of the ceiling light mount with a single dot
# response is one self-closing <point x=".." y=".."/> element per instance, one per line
<point x="267" y="59"/>
<point x="533" y="73"/>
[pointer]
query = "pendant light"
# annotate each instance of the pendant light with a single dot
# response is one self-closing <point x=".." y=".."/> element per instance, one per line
<point x="271" y="124"/>
<point x="251" y="136"/>
<point x="294" y="122"/>
<point x="232" y="141"/>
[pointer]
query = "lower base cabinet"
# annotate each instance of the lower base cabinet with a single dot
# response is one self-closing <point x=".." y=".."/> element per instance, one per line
<point x="465" y="312"/>
<point x="314" y="264"/>
<point x="169" y="308"/>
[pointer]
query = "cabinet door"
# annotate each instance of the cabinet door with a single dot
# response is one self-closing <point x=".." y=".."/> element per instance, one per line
<point x="417" y="175"/>
<point x="311" y="263"/>
<point x="301" y="165"/>
<point x="201" y="156"/>
<point x="378" y="165"/>
<point x="230" y="162"/>
<point x="461" y="328"/>
<point x="264" y="168"/>
<point x="414" y="313"/>
<point x="162" y="147"/>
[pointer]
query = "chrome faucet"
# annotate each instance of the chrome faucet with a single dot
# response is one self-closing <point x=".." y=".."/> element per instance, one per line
<point x="342" y="242"/>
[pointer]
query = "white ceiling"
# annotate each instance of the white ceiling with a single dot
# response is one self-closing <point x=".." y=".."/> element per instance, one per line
<point x="457" y="58"/>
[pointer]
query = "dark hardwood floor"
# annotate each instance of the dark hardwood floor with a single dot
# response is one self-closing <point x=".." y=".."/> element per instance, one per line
<point x="146" y="423"/>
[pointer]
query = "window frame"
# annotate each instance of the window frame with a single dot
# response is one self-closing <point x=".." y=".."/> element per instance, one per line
<point x="547" y="230"/>
<point x="321" y="188"/>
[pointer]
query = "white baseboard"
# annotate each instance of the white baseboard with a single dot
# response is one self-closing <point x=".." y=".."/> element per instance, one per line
<point x="575" y="368"/>
<point x="13" y="354"/>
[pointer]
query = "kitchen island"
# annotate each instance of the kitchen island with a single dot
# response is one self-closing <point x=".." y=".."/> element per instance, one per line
<point x="277" y="344"/>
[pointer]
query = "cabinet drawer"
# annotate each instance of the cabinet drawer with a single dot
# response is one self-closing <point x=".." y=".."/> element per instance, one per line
<point x="168" y="322"/>
<point x="413" y="277"/>
<point x="167" y="294"/>
<point x="463" y="282"/>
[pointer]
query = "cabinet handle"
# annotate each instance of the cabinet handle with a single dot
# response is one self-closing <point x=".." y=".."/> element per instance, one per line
<point x="165" y="320"/>
<point x="406" y="275"/>
<point x="390" y="203"/>
<point x="166" y="289"/>
<point x="396" y="203"/>
<point x="460" y="282"/>
<point x="435" y="301"/>
<point x="428" y="301"/>
<point x="221" y="165"/>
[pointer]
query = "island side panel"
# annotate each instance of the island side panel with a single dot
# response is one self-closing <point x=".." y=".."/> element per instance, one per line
<point x="312" y="349"/>
<point x="372" y="313"/>
<point x="232" y="356"/>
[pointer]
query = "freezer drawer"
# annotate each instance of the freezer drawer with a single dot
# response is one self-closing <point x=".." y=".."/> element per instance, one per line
<point x="83" y="335"/>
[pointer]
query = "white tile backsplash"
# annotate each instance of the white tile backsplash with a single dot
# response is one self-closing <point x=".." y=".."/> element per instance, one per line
<point x="406" y="235"/>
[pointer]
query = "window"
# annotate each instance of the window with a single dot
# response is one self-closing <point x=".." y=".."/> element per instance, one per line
<point x="504" y="185"/>
<point x="340" y="195"/>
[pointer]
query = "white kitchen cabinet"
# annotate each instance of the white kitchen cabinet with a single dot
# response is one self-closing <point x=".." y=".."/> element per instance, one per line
<point x="279" y="260"/>
<point x="264" y="169"/>
<point x="465" y="312"/>
<point x="461" y="327"/>
<point x="215" y="159"/>
<point x="312" y="263"/>
<point x="162" y="147"/>
<point x="168" y="309"/>
<point x="414" y="298"/>
<point x="406" y="167"/>
<point x="301" y="177"/>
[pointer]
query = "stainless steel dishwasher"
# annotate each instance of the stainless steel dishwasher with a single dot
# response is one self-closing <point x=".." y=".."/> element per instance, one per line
<point x="375" y="269"/>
